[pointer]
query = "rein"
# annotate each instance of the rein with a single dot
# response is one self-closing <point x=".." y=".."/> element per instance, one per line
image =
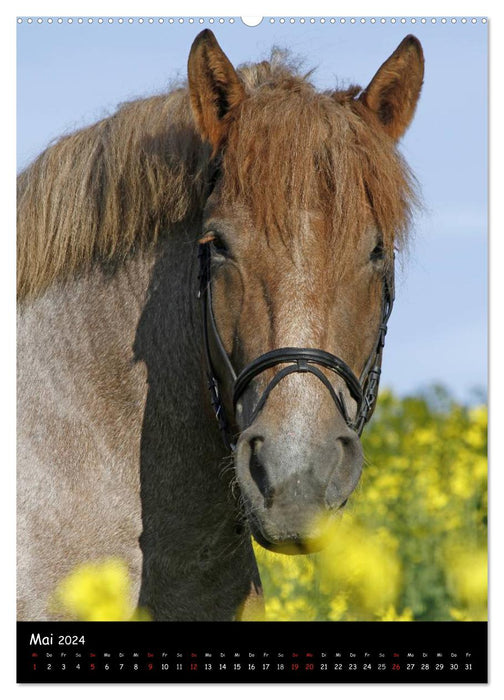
<point x="219" y="367"/>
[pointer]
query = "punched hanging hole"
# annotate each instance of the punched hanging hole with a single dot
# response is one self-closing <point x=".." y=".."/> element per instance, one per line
<point x="251" y="21"/>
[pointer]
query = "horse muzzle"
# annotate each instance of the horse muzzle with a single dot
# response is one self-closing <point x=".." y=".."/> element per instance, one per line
<point x="294" y="474"/>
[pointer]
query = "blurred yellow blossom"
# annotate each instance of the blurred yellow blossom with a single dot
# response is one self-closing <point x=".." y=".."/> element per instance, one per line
<point x="467" y="579"/>
<point x="391" y="615"/>
<point x="97" y="591"/>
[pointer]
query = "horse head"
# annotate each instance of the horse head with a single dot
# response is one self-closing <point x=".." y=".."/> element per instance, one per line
<point x="309" y="199"/>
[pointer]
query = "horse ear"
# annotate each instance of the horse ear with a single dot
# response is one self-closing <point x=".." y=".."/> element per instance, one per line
<point x="394" y="91"/>
<point x="214" y="87"/>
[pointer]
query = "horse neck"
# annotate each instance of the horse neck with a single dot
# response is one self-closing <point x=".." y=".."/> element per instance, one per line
<point x="182" y="448"/>
<point x="103" y="334"/>
<point x="94" y="342"/>
<point x="77" y="338"/>
<point x="192" y="531"/>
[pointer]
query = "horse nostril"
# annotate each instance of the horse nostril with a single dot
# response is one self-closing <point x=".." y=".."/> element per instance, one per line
<point x="258" y="472"/>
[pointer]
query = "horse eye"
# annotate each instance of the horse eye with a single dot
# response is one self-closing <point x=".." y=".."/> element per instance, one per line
<point x="377" y="253"/>
<point x="219" y="247"/>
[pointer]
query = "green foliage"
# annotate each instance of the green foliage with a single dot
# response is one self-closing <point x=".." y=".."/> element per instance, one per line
<point x="412" y="542"/>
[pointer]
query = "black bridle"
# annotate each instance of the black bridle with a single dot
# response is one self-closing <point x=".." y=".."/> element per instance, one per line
<point x="364" y="390"/>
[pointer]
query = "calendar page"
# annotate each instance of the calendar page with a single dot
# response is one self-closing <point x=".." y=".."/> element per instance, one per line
<point x="252" y="302"/>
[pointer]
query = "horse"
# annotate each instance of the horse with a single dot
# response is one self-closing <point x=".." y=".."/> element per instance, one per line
<point x="236" y="234"/>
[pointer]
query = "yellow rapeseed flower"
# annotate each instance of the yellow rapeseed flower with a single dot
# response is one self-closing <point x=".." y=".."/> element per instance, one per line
<point x="338" y="607"/>
<point x="391" y="615"/>
<point x="97" y="591"/>
<point x="364" y="564"/>
<point x="467" y="575"/>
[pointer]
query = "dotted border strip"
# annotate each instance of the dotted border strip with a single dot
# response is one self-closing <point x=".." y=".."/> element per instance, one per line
<point x="233" y="20"/>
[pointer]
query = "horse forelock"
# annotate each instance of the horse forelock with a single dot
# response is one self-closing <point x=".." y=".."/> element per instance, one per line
<point x="292" y="149"/>
<point x="113" y="188"/>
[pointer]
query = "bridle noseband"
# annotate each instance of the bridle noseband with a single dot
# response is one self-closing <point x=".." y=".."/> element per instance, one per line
<point x="364" y="390"/>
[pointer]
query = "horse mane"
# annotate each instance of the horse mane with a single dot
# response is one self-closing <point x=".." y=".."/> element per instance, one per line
<point x="108" y="190"/>
<point x="112" y="189"/>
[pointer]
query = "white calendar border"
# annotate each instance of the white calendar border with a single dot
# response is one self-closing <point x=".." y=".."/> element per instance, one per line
<point x="226" y="9"/>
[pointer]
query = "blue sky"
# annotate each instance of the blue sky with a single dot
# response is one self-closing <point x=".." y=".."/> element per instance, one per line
<point x="70" y="75"/>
